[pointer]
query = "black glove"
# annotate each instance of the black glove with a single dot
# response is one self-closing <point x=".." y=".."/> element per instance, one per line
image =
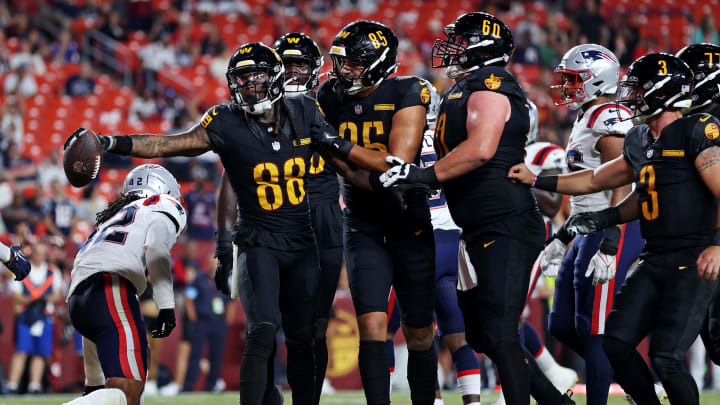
<point x="587" y="223"/>
<point x="610" y="240"/>
<point x="325" y="137"/>
<point x="408" y="173"/>
<point x="224" y="254"/>
<point x="400" y="190"/>
<point x="564" y="234"/>
<point x="166" y="323"/>
<point x="105" y="141"/>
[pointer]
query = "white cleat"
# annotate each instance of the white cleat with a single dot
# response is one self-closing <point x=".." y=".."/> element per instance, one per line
<point x="501" y="399"/>
<point x="562" y="378"/>
<point x="151" y="388"/>
<point x="659" y="391"/>
<point x="170" y="390"/>
<point x="327" y="388"/>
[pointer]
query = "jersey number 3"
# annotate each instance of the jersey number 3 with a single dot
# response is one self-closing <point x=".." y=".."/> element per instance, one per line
<point x="269" y="192"/>
<point x="650" y="210"/>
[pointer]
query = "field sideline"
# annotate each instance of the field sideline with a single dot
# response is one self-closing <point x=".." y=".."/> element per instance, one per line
<point x="352" y="397"/>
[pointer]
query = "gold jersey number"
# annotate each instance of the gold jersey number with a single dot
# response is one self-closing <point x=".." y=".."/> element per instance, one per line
<point x="269" y="191"/>
<point x="650" y="210"/>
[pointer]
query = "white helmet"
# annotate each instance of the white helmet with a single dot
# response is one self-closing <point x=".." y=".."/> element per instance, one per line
<point x="150" y="179"/>
<point x="433" y="107"/>
<point x="534" y="121"/>
<point x="588" y="71"/>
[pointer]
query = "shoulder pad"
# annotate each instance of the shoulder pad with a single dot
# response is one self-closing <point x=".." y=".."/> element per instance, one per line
<point x="493" y="78"/>
<point x="213" y="113"/>
<point x="165" y="204"/>
<point x="605" y="119"/>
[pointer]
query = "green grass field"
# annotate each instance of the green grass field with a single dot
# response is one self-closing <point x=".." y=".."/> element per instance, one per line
<point x="336" y="399"/>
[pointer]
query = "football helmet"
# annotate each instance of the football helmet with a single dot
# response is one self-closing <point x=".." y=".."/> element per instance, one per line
<point x="369" y="43"/>
<point x="704" y="61"/>
<point x="653" y="84"/>
<point x="257" y="70"/>
<point x="534" y="122"/>
<point x="473" y="40"/>
<point x="588" y="72"/>
<point x="151" y="179"/>
<point x="298" y="48"/>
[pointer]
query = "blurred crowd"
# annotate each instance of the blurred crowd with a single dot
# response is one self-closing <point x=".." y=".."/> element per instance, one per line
<point x="39" y="38"/>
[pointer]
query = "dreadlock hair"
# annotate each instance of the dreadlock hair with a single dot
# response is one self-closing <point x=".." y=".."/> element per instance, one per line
<point x="114" y="207"/>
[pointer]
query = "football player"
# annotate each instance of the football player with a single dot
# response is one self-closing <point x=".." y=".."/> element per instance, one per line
<point x="589" y="75"/>
<point x="134" y="233"/>
<point x="481" y="132"/>
<point x="265" y="143"/>
<point x="384" y="115"/>
<point x="302" y="59"/>
<point x="673" y="162"/>
<point x="705" y="99"/>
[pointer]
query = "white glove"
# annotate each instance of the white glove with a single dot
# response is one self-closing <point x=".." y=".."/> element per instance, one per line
<point x="602" y="266"/>
<point x="551" y="258"/>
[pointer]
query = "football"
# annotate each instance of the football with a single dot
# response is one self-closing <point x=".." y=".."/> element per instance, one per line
<point x="82" y="159"/>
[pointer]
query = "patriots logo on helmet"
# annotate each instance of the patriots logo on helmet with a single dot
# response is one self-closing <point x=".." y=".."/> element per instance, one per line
<point x="610" y="122"/>
<point x="594" y="54"/>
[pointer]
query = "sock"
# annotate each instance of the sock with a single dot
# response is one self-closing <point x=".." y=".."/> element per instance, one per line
<point x="514" y="369"/>
<point x="374" y="372"/>
<point x="253" y="369"/>
<point x="678" y="383"/>
<point x="390" y="354"/>
<point x="4" y="253"/>
<point x="467" y="371"/>
<point x="422" y="375"/>
<point x="598" y="372"/>
<point x="541" y="388"/>
<point x="34" y="387"/>
<point x="438" y="401"/>
<point x="545" y="361"/>
<point x="631" y="372"/>
<point x="301" y="371"/>
<point x="105" y="396"/>
<point x="321" y="361"/>
<point x="12" y="386"/>
<point x="530" y="339"/>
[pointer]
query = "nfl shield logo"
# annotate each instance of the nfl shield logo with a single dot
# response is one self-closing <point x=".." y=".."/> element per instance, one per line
<point x="649" y="153"/>
<point x="276" y="146"/>
<point x="358" y="109"/>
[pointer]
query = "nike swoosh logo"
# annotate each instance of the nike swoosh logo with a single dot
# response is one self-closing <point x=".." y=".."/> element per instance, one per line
<point x="418" y="233"/>
<point x="423" y="82"/>
<point x="488" y="244"/>
<point x="704" y="119"/>
<point x="214" y="112"/>
<point x="682" y="267"/>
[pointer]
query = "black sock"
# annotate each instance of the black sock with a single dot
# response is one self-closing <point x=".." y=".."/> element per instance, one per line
<point x="540" y="387"/>
<point x="679" y="385"/>
<point x="374" y="372"/>
<point x="422" y="375"/>
<point x="321" y="360"/>
<point x="301" y="372"/>
<point x="514" y="370"/>
<point x="253" y="369"/>
<point x="272" y="395"/>
<point x="631" y="372"/>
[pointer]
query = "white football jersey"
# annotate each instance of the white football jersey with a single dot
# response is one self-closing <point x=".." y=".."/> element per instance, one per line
<point x="582" y="153"/>
<point x="119" y="245"/>
<point x="439" y="212"/>
<point x="541" y="156"/>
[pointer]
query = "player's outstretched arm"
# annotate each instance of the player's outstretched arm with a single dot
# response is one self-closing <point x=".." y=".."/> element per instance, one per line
<point x="608" y="176"/>
<point x="707" y="164"/>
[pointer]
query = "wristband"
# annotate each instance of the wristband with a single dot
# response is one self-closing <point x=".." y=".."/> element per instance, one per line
<point x="534" y="181"/>
<point x="547" y="183"/>
<point x="122" y="145"/>
<point x="716" y="237"/>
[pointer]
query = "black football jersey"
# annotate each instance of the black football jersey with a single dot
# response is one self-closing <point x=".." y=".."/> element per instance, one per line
<point x="367" y="122"/>
<point x="267" y="172"/>
<point x="715" y="111"/>
<point x="676" y="210"/>
<point x="484" y="195"/>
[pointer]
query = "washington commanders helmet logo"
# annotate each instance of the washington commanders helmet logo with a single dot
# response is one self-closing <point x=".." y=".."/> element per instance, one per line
<point x="493" y="82"/>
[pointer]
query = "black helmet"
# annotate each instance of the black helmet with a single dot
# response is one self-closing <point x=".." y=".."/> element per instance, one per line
<point x="473" y="40"/>
<point x="367" y="42"/>
<point x="296" y="47"/>
<point x="654" y="83"/>
<point x="255" y="58"/>
<point x="704" y="60"/>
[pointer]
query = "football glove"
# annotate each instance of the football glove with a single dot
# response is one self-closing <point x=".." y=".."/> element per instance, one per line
<point x="602" y="267"/>
<point x="224" y="254"/>
<point x="408" y="173"/>
<point x="106" y="142"/>
<point x="587" y="223"/>
<point x="399" y="191"/>
<point x="165" y="323"/>
<point x="326" y="138"/>
<point x="18" y="263"/>
<point x="551" y="257"/>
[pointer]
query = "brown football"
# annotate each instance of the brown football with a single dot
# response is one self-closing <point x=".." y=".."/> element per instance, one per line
<point x="82" y="159"/>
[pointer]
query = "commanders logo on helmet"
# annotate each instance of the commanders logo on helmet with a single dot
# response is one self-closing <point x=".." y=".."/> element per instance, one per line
<point x="654" y="83"/>
<point x="369" y="43"/>
<point x="474" y="40"/>
<point x="298" y="48"/>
